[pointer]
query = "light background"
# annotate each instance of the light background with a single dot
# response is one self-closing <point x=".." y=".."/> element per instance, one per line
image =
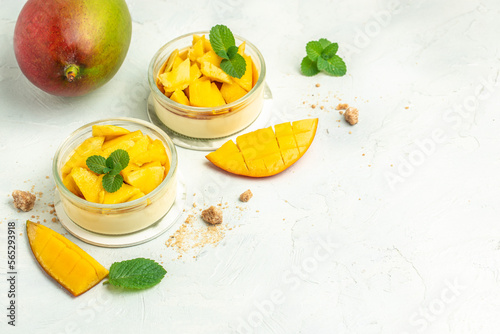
<point x="412" y="218"/>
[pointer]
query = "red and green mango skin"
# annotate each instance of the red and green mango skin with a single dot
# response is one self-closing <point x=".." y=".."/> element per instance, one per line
<point x="51" y="35"/>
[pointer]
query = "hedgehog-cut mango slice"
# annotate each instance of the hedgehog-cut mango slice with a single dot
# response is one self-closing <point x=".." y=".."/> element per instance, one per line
<point x="64" y="261"/>
<point x="265" y="152"/>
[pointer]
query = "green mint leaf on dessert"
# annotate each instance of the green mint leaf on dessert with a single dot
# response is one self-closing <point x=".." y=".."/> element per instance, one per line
<point x="322" y="56"/>
<point x="112" y="182"/>
<point x="135" y="274"/>
<point x="314" y="50"/>
<point x="308" y="67"/>
<point x="111" y="167"/>
<point x="224" y="45"/>
<point x="235" y="66"/>
<point x="232" y="51"/>
<point x="120" y="157"/>
<point x="324" y="42"/>
<point x="97" y="164"/>
<point x="221" y="38"/>
<point x="329" y="51"/>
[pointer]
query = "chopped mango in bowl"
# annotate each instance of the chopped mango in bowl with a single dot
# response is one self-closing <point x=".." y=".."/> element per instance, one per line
<point x="145" y="185"/>
<point x="195" y="97"/>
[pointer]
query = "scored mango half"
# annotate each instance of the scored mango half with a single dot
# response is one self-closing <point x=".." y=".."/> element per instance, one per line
<point x="265" y="152"/>
<point x="64" y="261"/>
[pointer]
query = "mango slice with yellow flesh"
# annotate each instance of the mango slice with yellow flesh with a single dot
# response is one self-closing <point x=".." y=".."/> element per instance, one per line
<point x="69" y="183"/>
<point x="108" y="131"/>
<point x="196" y="51"/>
<point x="178" y="78"/>
<point x="215" y="73"/>
<point x="156" y="152"/>
<point x="89" y="147"/>
<point x="115" y="143"/>
<point x="232" y="92"/>
<point x="210" y="57"/>
<point x="179" y="97"/>
<point x="167" y="67"/>
<point x="64" y="261"/>
<point x="88" y="183"/>
<point x="203" y="93"/>
<point x="263" y="152"/>
<point x="146" y="179"/>
<point x="124" y="194"/>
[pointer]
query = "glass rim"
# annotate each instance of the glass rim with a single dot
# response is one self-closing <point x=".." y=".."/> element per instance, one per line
<point x="204" y="111"/>
<point x="126" y="205"/>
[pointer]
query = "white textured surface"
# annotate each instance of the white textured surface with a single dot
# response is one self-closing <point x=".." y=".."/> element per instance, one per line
<point x="396" y="248"/>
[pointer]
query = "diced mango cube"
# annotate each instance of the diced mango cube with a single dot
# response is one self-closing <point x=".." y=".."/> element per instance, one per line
<point x="178" y="78"/>
<point x="196" y="51"/>
<point x="210" y="57"/>
<point x="121" y="195"/>
<point x="89" y="147"/>
<point x="89" y="184"/>
<point x="179" y="97"/>
<point x="215" y="73"/>
<point x="232" y="92"/>
<point x="146" y="178"/>
<point x="246" y="80"/>
<point x="202" y="93"/>
<point x="108" y="131"/>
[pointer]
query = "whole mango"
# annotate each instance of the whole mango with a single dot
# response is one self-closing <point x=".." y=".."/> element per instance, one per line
<point x="71" y="47"/>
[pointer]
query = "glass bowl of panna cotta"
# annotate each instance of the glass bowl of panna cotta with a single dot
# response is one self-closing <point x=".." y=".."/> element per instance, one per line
<point x="151" y="175"/>
<point x="242" y="99"/>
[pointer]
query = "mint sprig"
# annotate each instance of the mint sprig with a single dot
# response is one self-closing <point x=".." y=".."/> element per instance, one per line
<point x="111" y="167"/>
<point x="224" y="45"/>
<point x="135" y="274"/>
<point x="322" y="56"/>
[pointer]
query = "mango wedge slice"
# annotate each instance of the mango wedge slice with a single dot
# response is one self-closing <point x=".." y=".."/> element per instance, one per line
<point x="265" y="152"/>
<point x="64" y="261"/>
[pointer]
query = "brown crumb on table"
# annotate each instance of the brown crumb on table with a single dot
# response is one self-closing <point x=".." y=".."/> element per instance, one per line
<point x="317" y="85"/>
<point x="54" y="219"/>
<point x="313" y="106"/>
<point x="341" y="112"/>
<point x="321" y="107"/>
<point x="407" y="107"/>
<point x="245" y="197"/>
<point x="212" y="215"/>
<point x="342" y="106"/>
<point x="351" y="115"/>
<point x="23" y="200"/>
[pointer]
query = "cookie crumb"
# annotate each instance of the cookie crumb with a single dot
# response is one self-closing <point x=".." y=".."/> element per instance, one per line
<point x="212" y="215"/>
<point x="23" y="200"/>
<point x="245" y="197"/>
<point x="313" y="106"/>
<point x="342" y="106"/>
<point x="321" y="107"/>
<point x="317" y="85"/>
<point x="351" y="115"/>
<point x="54" y="220"/>
<point x="407" y="107"/>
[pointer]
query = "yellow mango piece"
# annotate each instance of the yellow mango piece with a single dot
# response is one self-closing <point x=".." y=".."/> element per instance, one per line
<point x="169" y="64"/>
<point x="136" y="135"/>
<point x="246" y="81"/>
<point x="64" y="261"/>
<point x="206" y="44"/>
<point x="196" y="38"/>
<point x="194" y="72"/>
<point x="70" y="184"/>
<point x="203" y="93"/>
<point x="255" y="74"/>
<point x="210" y="57"/>
<point x="232" y="92"/>
<point x="241" y="48"/>
<point x="196" y="51"/>
<point x="177" y="61"/>
<point x="89" y="147"/>
<point x="178" y="78"/>
<point x="108" y="131"/>
<point x="215" y="73"/>
<point x="265" y="152"/>
<point x="121" y="195"/>
<point x="179" y="97"/>
<point x="136" y="196"/>
<point x="146" y="179"/>
<point x="156" y="152"/>
<point x="140" y="146"/>
<point x="88" y="183"/>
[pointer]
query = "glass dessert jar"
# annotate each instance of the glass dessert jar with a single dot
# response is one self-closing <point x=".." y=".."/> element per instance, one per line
<point x="122" y="218"/>
<point x="207" y="123"/>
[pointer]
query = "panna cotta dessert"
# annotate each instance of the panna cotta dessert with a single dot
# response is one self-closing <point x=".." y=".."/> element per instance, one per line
<point x="116" y="176"/>
<point x="193" y="95"/>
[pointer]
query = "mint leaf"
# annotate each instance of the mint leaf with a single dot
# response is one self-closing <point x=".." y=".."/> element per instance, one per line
<point x="136" y="274"/>
<point x="119" y="157"/>
<point x="232" y="51"/>
<point x="314" y="50"/>
<point x="112" y="182"/>
<point x="334" y="66"/>
<point x="330" y="51"/>
<point x="221" y="38"/>
<point x="308" y="67"/>
<point x="324" y="42"/>
<point x="235" y="66"/>
<point x="97" y="164"/>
